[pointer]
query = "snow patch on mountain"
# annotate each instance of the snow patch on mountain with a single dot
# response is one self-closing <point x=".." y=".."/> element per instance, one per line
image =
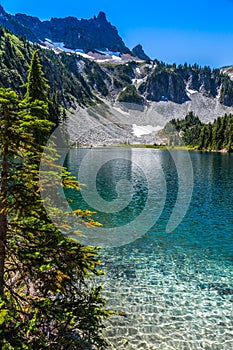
<point x="108" y="58"/>
<point x="137" y="81"/>
<point x="98" y="56"/>
<point x="139" y="130"/>
<point x="108" y="52"/>
<point x="190" y="91"/>
<point x="85" y="55"/>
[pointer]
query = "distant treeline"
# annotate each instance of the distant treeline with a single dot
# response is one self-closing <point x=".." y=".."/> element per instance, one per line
<point x="192" y="132"/>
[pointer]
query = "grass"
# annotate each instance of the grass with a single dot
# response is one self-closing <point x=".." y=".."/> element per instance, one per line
<point x="124" y="145"/>
<point x="162" y="147"/>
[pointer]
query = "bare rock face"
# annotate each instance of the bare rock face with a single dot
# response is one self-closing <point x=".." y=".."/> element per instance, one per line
<point x="8" y="21"/>
<point x="165" y="86"/>
<point x="172" y="83"/>
<point x="86" y="34"/>
<point x="140" y="53"/>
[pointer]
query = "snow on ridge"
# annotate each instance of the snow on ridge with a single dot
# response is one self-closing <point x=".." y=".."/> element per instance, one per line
<point x="107" y="55"/>
<point x="61" y="46"/>
<point x="114" y="57"/>
<point x="137" y="81"/>
<point x="79" y="51"/>
<point x="108" y="52"/>
<point x="190" y="91"/>
<point x="85" y="55"/>
<point x="97" y="55"/>
<point x="109" y="59"/>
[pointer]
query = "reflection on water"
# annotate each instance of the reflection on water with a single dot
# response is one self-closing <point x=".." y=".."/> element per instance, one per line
<point x="173" y="291"/>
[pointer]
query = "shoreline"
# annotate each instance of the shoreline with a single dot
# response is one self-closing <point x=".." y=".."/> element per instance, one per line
<point x="159" y="147"/>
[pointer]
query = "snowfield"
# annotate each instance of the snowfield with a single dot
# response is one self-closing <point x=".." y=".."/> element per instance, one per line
<point x="139" y="130"/>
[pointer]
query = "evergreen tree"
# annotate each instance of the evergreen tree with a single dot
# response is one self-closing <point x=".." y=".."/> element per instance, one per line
<point x="205" y="139"/>
<point x="8" y="115"/>
<point x="45" y="299"/>
<point x="37" y="84"/>
<point x="36" y="100"/>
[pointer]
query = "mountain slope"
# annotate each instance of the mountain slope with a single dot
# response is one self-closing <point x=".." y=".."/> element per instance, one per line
<point x="61" y="71"/>
<point x="176" y="83"/>
<point x="117" y="96"/>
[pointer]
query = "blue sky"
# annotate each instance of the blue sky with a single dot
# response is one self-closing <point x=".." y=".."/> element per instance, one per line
<point x="179" y="31"/>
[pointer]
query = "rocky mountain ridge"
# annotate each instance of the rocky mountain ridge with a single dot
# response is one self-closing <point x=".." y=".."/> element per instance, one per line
<point x="117" y="94"/>
<point x="86" y="34"/>
<point x="140" y="53"/>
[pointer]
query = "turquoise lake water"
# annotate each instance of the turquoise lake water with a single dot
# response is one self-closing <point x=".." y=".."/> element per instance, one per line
<point x="174" y="287"/>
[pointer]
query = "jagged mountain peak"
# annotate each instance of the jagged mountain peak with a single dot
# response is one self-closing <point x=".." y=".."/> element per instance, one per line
<point x="102" y="16"/>
<point x="3" y="13"/>
<point x="151" y="91"/>
<point x="85" y="34"/>
<point x="140" y="53"/>
<point x="2" y="9"/>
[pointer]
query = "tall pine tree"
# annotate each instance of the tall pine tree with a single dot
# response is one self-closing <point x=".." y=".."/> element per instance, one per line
<point x="46" y="301"/>
<point x="37" y="84"/>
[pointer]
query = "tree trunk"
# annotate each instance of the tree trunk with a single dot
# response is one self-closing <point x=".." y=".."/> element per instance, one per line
<point x="3" y="219"/>
<point x="3" y="211"/>
<point x="3" y="233"/>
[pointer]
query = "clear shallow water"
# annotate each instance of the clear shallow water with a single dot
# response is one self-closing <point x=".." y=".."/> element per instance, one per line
<point x="175" y="290"/>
